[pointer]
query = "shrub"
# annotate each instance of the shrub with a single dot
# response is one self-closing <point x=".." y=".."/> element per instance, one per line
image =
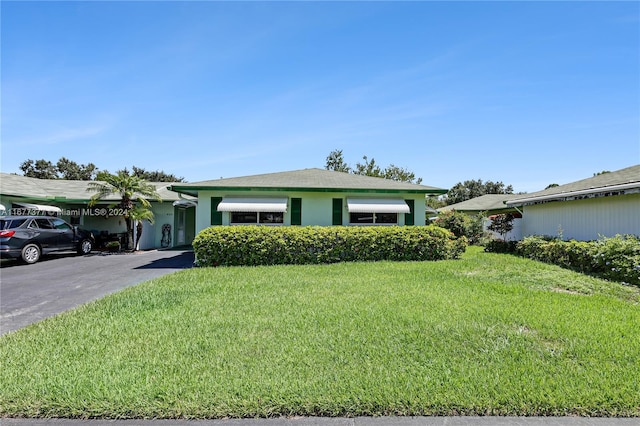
<point x="500" y="246"/>
<point x="462" y="225"/>
<point x="261" y="245"/>
<point x="616" y="258"/>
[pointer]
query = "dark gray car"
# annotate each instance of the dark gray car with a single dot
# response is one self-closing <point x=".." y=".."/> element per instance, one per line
<point x="29" y="237"/>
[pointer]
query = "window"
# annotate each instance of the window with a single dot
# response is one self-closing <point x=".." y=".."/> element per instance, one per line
<point x="44" y="223"/>
<point x="60" y="224"/>
<point x="374" y="211"/>
<point x="253" y="218"/>
<point x="373" y="218"/>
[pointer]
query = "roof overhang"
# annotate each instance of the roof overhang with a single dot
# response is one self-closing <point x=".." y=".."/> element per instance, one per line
<point x="627" y="188"/>
<point x="271" y="205"/>
<point x="194" y="190"/>
<point x="185" y="203"/>
<point x="377" y="205"/>
<point x="40" y="207"/>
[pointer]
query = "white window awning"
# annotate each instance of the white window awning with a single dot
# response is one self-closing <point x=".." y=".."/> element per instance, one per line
<point x="378" y="205"/>
<point x="40" y="207"/>
<point x="253" y="205"/>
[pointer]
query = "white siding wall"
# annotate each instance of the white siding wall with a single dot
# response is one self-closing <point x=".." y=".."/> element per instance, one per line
<point x="584" y="219"/>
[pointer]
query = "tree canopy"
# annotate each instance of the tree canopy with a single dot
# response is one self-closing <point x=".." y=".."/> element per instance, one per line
<point x="149" y="176"/>
<point x="335" y="161"/>
<point x="469" y="189"/>
<point x="70" y="170"/>
<point x="63" y="169"/>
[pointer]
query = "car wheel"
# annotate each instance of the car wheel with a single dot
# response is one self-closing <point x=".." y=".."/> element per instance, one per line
<point x="85" y="247"/>
<point x="30" y="253"/>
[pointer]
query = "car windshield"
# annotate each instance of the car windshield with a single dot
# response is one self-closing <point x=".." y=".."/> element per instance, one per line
<point x="11" y="223"/>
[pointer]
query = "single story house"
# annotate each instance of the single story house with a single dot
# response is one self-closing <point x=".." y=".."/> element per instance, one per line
<point x="491" y="205"/>
<point x="606" y="204"/>
<point x="307" y="197"/>
<point x="68" y="199"/>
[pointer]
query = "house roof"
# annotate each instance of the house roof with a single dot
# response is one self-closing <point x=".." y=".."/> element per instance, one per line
<point x="307" y="180"/>
<point x="624" y="181"/>
<point x="63" y="191"/>
<point x="488" y="202"/>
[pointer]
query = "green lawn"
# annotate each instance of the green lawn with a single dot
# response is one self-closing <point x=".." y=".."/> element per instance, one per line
<point x="486" y="334"/>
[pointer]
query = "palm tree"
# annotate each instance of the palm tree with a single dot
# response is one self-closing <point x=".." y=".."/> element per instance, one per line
<point x="137" y="215"/>
<point x="131" y="190"/>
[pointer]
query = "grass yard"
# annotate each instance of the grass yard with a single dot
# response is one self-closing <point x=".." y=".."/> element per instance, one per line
<point x="487" y="334"/>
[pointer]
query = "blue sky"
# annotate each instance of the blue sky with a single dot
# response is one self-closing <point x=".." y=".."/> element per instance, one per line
<point x="528" y="93"/>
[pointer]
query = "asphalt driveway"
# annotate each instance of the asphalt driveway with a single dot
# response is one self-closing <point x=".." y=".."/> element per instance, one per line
<point x="30" y="293"/>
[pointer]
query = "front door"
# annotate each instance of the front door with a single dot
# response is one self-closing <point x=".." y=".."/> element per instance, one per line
<point x="182" y="227"/>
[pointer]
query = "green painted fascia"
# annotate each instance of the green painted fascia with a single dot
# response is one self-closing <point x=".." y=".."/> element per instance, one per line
<point x="193" y="190"/>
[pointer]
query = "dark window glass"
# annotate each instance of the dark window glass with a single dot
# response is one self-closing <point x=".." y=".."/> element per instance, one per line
<point x="272" y="217"/>
<point x="44" y="223"/>
<point x="244" y="217"/>
<point x="10" y="224"/>
<point x="357" y="218"/>
<point x="373" y="218"/>
<point x="387" y="218"/>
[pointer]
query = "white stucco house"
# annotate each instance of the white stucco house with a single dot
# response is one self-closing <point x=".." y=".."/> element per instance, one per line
<point x="307" y="197"/>
<point x="602" y="205"/>
<point x="69" y="199"/>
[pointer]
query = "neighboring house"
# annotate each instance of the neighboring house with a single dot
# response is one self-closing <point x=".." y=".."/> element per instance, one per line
<point x="491" y="205"/>
<point x="607" y="204"/>
<point x="307" y="197"/>
<point x="69" y="200"/>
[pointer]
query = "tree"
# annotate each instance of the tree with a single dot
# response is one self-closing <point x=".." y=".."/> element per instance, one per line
<point x="552" y="185"/>
<point x="469" y="189"/>
<point x="131" y="189"/>
<point x="155" y="176"/>
<point x="335" y="161"/>
<point x="602" y="172"/>
<point x="400" y="174"/>
<point x="502" y="224"/>
<point x="41" y="169"/>
<point x="368" y="168"/>
<point x="70" y="170"/>
<point x="63" y="169"/>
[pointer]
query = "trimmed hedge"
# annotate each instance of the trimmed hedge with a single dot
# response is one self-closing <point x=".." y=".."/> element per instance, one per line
<point x="615" y="259"/>
<point x="264" y="245"/>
